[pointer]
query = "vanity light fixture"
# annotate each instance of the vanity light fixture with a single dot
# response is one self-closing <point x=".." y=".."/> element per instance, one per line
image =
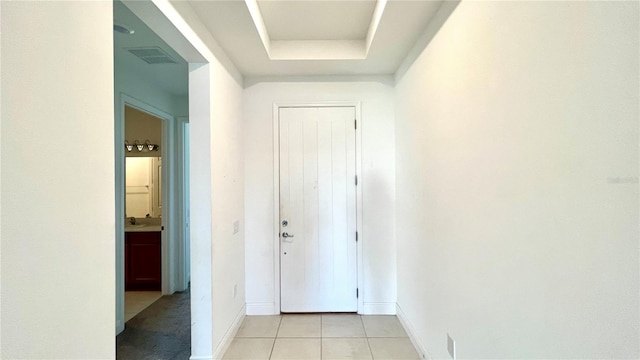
<point x="147" y="146"/>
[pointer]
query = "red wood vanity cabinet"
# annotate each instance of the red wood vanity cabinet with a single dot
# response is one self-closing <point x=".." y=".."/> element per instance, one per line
<point x="142" y="257"/>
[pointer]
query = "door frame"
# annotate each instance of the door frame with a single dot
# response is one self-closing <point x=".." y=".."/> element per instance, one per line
<point x="276" y="193"/>
<point x="172" y="264"/>
<point x="183" y="275"/>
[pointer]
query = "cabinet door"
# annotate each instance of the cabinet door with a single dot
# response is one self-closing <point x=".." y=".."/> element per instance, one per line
<point x="144" y="261"/>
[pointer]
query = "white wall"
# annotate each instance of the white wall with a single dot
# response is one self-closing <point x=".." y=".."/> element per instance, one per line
<point x="216" y="173"/>
<point x="200" y="213"/>
<point x="142" y="126"/>
<point x="58" y="285"/>
<point x="517" y="182"/>
<point x="216" y="203"/>
<point x="377" y="181"/>
<point x="227" y="189"/>
<point x="216" y="198"/>
<point x="136" y="86"/>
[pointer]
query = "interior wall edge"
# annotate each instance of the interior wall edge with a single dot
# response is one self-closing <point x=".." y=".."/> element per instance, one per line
<point x="437" y="21"/>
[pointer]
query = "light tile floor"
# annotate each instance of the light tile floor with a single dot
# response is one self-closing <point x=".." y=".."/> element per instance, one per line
<point x="136" y="301"/>
<point x="321" y="337"/>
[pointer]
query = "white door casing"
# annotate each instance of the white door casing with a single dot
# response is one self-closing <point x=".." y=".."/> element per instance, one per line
<point x="157" y="186"/>
<point x="171" y="261"/>
<point x="318" y="201"/>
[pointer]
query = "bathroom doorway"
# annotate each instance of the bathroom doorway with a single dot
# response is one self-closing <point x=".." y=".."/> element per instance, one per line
<point x="143" y="211"/>
<point x="152" y="182"/>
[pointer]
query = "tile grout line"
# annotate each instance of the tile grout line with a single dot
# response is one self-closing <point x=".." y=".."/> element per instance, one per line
<point x="364" y="328"/>
<point x="276" y="337"/>
<point x="366" y="336"/>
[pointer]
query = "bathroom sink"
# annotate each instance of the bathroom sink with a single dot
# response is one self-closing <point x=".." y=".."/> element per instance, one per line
<point x="136" y="226"/>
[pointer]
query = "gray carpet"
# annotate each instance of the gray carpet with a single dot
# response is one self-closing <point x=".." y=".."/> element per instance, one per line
<point x="160" y="332"/>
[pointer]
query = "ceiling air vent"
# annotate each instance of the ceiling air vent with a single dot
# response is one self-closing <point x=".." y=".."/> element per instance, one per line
<point x="152" y="55"/>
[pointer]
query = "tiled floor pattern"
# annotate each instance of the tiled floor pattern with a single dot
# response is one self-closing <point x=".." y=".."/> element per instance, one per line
<point x="321" y="336"/>
<point x="136" y="301"/>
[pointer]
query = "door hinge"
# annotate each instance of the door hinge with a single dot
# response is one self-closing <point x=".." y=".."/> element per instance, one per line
<point x="356" y="236"/>
<point x="357" y="293"/>
<point x="356" y="180"/>
<point x="355" y="124"/>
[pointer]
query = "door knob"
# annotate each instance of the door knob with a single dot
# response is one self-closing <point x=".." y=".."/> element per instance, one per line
<point x="286" y="235"/>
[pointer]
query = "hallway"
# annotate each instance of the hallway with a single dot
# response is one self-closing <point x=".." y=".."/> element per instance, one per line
<point x="160" y="332"/>
<point x="497" y="175"/>
<point x="325" y="336"/>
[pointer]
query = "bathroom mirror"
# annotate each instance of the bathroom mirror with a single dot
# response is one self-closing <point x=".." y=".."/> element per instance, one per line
<point x="143" y="183"/>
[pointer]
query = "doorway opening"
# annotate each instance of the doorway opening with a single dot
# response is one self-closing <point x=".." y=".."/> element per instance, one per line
<point x="151" y="102"/>
<point x="165" y="21"/>
<point x="154" y="220"/>
<point x="143" y="211"/>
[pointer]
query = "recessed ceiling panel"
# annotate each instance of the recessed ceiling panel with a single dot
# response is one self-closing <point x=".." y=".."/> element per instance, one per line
<point x="317" y="20"/>
<point x="231" y="24"/>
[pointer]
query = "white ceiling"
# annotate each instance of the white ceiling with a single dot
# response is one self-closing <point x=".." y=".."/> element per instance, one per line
<point x="172" y="78"/>
<point x="299" y="38"/>
<point x="309" y="37"/>
<point x="317" y="20"/>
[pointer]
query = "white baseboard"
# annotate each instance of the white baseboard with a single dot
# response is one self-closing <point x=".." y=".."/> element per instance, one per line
<point x="200" y="358"/>
<point x="379" y="308"/>
<point x="412" y="333"/>
<point x="231" y="333"/>
<point x="265" y="308"/>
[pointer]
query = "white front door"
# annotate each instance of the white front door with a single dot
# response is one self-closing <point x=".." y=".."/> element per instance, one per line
<point x="318" y="209"/>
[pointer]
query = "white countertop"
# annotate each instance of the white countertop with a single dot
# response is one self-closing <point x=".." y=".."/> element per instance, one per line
<point x="142" y="228"/>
